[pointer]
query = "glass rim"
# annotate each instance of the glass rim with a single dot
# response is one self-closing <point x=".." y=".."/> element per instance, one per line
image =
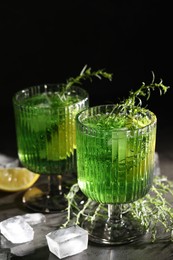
<point x="123" y="129"/>
<point x="49" y="85"/>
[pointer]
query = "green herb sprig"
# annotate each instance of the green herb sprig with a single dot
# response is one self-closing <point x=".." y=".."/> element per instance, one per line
<point x="154" y="211"/>
<point x="129" y="112"/>
<point x="133" y="104"/>
<point x="86" y="73"/>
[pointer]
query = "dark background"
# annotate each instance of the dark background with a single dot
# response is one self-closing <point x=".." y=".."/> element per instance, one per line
<point x="49" y="43"/>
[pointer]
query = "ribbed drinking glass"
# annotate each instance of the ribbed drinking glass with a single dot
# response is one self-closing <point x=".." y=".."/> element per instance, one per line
<point x="46" y="140"/>
<point x="115" y="164"/>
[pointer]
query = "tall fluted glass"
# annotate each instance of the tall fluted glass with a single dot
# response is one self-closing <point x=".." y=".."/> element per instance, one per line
<point x="46" y="139"/>
<point x="115" y="167"/>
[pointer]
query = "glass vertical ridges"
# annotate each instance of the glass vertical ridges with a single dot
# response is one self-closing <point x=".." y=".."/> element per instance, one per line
<point x="114" y="166"/>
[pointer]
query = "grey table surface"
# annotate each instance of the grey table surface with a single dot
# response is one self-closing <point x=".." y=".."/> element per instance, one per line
<point x="10" y="205"/>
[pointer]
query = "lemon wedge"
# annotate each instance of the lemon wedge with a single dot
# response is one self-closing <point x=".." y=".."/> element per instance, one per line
<point x="16" y="179"/>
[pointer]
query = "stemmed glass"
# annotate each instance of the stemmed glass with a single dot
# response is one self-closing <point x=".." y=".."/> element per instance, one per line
<point x="115" y="165"/>
<point x="46" y="140"/>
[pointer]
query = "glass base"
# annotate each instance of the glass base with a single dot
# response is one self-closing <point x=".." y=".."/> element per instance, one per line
<point x="123" y="231"/>
<point x="38" y="199"/>
<point x="47" y="195"/>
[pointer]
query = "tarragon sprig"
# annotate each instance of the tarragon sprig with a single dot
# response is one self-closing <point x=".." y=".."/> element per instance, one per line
<point x="71" y="199"/>
<point x="130" y="111"/>
<point x="86" y="73"/>
<point x="154" y="211"/>
<point x="133" y="104"/>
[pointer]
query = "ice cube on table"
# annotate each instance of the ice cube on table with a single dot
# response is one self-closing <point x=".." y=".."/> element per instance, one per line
<point x="16" y="230"/>
<point x="34" y="218"/>
<point x="67" y="241"/>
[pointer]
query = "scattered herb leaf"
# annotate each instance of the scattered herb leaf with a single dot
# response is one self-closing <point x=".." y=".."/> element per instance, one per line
<point x="154" y="211"/>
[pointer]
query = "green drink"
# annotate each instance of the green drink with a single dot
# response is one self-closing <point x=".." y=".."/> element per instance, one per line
<point x="115" y="165"/>
<point x="46" y="140"/>
<point x="115" y="154"/>
<point x="45" y="125"/>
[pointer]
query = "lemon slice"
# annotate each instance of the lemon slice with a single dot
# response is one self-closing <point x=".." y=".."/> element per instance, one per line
<point x="16" y="179"/>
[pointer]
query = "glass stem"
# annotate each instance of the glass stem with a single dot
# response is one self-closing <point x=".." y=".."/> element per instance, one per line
<point x="55" y="184"/>
<point x="114" y="214"/>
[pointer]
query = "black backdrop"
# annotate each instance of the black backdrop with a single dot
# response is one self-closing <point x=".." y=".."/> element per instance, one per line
<point x="48" y="43"/>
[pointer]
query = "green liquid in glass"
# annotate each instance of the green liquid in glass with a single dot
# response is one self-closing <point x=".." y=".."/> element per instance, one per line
<point x="46" y="134"/>
<point x="115" y="159"/>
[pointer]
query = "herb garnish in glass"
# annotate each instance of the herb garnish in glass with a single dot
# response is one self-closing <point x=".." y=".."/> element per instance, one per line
<point x="46" y="136"/>
<point x="115" y="163"/>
